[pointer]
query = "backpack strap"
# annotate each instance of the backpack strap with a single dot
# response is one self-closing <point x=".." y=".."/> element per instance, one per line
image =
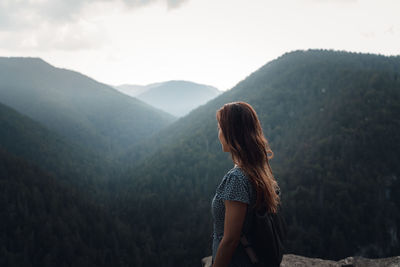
<point x="249" y="249"/>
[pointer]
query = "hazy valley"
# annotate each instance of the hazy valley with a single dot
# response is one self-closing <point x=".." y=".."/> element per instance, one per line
<point x="175" y="97"/>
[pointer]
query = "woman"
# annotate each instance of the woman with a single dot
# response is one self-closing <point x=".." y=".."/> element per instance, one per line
<point x="248" y="185"/>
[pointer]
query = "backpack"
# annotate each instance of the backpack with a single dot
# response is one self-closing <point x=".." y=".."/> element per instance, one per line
<point x="265" y="243"/>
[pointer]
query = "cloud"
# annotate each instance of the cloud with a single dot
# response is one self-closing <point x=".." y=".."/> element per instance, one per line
<point x="334" y="1"/>
<point x="175" y="3"/>
<point x="393" y="30"/>
<point x="14" y="15"/>
<point x="72" y="36"/>
<point x="342" y="1"/>
<point x="170" y="3"/>
<point x="24" y="14"/>
<point x="38" y="25"/>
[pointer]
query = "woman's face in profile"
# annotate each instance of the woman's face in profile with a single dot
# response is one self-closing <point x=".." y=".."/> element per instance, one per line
<point x="221" y="138"/>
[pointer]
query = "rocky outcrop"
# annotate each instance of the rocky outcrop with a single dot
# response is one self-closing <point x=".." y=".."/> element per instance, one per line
<point x="290" y="260"/>
<point x="206" y="262"/>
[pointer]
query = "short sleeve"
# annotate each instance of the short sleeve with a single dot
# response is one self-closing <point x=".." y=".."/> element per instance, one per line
<point x="234" y="187"/>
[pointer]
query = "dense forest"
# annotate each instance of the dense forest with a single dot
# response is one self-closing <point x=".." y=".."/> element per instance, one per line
<point x="332" y="121"/>
<point x="27" y="139"/>
<point x="48" y="223"/>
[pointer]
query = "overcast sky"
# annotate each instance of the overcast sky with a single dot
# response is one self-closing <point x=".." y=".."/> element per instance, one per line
<point x="216" y="42"/>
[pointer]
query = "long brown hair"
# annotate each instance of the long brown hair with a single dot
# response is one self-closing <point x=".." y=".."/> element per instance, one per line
<point x="250" y="150"/>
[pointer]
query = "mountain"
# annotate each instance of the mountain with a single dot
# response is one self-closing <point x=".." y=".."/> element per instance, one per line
<point x="54" y="201"/>
<point x="131" y="89"/>
<point x="332" y="120"/>
<point x="175" y="97"/>
<point x="27" y="139"/>
<point x="85" y="111"/>
<point x="45" y="222"/>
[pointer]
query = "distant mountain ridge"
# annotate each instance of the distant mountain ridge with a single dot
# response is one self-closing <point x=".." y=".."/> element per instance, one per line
<point x="135" y="90"/>
<point x="87" y="112"/>
<point x="175" y="97"/>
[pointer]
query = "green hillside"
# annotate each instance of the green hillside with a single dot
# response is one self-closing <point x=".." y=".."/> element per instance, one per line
<point x="27" y="139"/>
<point x="332" y="120"/>
<point x="47" y="223"/>
<point x="87" y="112"/>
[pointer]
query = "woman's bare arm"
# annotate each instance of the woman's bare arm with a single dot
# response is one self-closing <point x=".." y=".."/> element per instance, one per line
<point x="235" y="213"/>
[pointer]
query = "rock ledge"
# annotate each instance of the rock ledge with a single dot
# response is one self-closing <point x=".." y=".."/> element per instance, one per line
<point x="290" y="260"/>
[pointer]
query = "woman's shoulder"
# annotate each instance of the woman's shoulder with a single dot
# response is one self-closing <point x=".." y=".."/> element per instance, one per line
<point x="236" y="176"/>
<point x="237" y="172"/>
<point x="235" y="186"/>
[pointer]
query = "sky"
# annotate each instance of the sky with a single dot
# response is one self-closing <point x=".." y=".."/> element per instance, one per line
<point x="214" y="42"/>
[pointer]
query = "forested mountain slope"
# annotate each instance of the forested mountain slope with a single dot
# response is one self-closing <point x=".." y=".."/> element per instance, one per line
<point x="87" y="112"/>
<point x="45" y="223"/>
<point x="332" y="120"/>
<point x="29" y="140"/>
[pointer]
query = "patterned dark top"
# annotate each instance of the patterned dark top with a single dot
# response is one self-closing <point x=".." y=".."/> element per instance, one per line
<point x="234" y="186"/>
